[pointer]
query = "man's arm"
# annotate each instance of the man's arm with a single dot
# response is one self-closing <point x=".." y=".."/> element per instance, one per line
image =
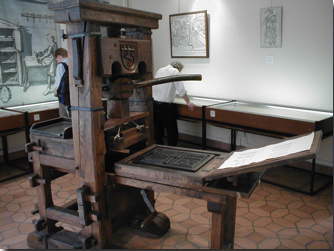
<point x="190" y="105"/>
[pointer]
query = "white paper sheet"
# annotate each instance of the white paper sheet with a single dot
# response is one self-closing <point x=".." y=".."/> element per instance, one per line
<point x="281" y="149"/>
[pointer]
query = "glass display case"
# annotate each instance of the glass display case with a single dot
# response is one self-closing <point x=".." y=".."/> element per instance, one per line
<point x="268" y="120"/>
<point x="274" y="120"/>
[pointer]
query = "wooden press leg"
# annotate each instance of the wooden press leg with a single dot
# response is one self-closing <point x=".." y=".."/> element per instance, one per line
<point x="43" y="192"/>
<point x="88" y="133"/>
<point x="223" y="223"/>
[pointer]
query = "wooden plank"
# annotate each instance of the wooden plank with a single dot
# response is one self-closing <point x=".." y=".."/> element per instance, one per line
<point x="161" y="188"/>
<point x="58" y="163"/>
<point x="62" y="148"/>
<point x="223" y="223"/>
<point x="64" y="215"/>
<point x="280" y="125"/>
<point x="83" y="10"/>
<point x="133" y="116"/>
<point x="44" y="194"/>
<point x="88" y="136"/>
<point x="10" y="120"/>
<point x="183" y="111"/>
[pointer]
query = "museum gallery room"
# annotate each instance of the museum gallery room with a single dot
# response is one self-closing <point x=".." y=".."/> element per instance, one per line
<point x="181" y="124"/>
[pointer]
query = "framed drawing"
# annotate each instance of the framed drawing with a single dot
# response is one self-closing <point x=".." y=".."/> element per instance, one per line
<point x="28" y="39"/>
<point x="271" y="27"/>
<point x="189" y="35"/>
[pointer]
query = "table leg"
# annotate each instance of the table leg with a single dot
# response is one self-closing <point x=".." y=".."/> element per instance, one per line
<point x="5" y="148"/>
<point x="223" y="223"/>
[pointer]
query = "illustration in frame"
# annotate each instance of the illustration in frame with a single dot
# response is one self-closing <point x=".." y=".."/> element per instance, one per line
<point x="189" y="35"/>
<point x="271" y="27"/>
<point x="28" y="39"/>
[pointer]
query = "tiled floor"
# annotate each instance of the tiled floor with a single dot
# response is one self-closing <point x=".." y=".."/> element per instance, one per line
<point x="271" y="218"/>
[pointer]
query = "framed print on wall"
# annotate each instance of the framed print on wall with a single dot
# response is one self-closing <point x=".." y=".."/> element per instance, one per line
<point x="189" y="35"/>
<point x="28" y="38"/>
<point x="271" y="27"/>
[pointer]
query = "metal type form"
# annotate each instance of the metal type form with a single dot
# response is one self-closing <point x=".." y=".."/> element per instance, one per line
<point x="175" y="159"/>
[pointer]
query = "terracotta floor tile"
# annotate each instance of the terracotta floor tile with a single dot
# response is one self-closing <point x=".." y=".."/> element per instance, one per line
<point x="198" y="240"/>
<point x="206" y="235"/>
<point x="245" y="243"/>
<point x="305" y="223"/>
<point x="251" y="216"/>
<point x="6" y="220"/>
<point x="329" y="236"/>
<point x="266" y="232"/>
<point x="292" y="218"/>
<point x="256" y="237"/>
<point x="186" y="245"/>
<point x="262" y="222"/>
<point x="272" y="218"/>
<point x="290" y="244"/>
<point x="19" y="217"/>
<point x="269" y="244"/>
<point x="279" y="213"/>
<point x="179" y="217"/>
<point x="301" y="239"/>
<point x="284" y="222"/>
<point x="182" y="201"/>
<point x="200" y="202"/>
<point x="199" y="210"/>
<point x="164" y="208"/>
<point x="192" y="205"/>
<point x="312" y="234"/>
<point x="319" y="229"/>
<point x="274" y="227"/>
<point x="319" y="245"/>
<point x="321" y="214"/>
<point x="300" y="214"/>
<point x="244" y="231"/>
<point x="259" y="212"/>
<point x="169" y="213"/>
<point x="172" y="240"/>
<point x="26" y="228"/>
<point x="188" y="223"/>
<point x="257" y="204"/>
<point x="199" y="219"/>
<point x="10" y="233"/>
<point x="197" y="230"/>
<point x="287" y="233"/>
<point x="243" y="222"/>
<point x="268" y="208"/>
<point x="325" y="223"/>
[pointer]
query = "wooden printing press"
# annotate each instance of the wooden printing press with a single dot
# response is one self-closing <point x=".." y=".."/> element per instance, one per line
<point x="111" y="150"/>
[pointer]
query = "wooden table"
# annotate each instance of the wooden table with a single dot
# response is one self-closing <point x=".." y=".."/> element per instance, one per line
<point x="40" y="111"/>
<point x="12" y="122"/>
<point x="20" y="118"/>
<point x="198" y="114"/>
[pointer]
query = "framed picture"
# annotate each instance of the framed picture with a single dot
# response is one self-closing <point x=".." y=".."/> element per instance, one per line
<point x="189" y="35"/>
<point x="271" y="27"/>
<point x="28" y="38"/>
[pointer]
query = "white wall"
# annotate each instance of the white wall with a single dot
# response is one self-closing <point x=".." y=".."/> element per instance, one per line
<point x="302" y="72"/>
